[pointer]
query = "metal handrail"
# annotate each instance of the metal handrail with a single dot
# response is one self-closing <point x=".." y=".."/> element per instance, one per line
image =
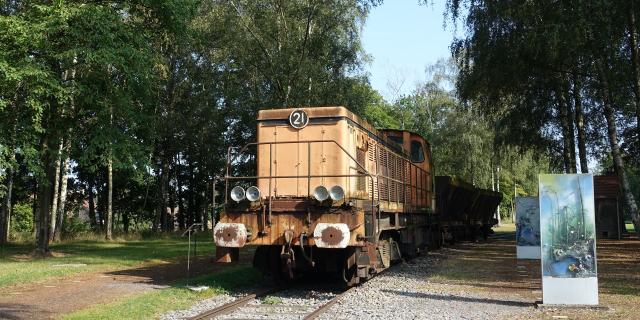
<point x="420" y="190"/>
<point x="308" y="142"/>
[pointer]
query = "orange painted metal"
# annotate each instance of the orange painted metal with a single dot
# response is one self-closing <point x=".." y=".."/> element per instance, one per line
<point x="336" y="147"/>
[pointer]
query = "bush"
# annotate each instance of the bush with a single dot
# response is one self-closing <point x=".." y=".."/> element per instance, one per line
<point x="22" y="218"/>
<point x="74" y="226"/>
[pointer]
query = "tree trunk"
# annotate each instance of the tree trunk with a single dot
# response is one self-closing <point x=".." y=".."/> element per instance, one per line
<point x="571" y="128"/>
<point x="63" y="197"/>
<point x="125" y="222"/>
<point x="5" y="221"/>
<point x="582" y="149"/>
<point x="44" y="197"/>
<point x="34" y="210"/>
<point x="160" y="218"/>
<point x="92" y="205"/>
<point x="192" y="198"/>
<point x="181" y="217"/>
<point x="205" y="212"/>
<point x="109" y="222"/>
<point x="56" y="189"/>
<point x="165" y="196"/>
<point x="609" y="114"/>
<point x="566" y="134"/>
<point x="635" y="61"/>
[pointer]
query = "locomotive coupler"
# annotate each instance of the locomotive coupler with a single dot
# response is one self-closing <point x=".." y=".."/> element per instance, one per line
<point x="287" y="255"/>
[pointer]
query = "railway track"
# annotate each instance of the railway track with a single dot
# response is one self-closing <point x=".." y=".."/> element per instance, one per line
<point x="277" y="303"/>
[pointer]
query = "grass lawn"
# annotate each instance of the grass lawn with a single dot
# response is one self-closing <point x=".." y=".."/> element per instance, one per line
<point x="505" y="228"/>
<point x="18" y="266"/>
<point x="629" y="227"/>
<point x="152" y="304"/>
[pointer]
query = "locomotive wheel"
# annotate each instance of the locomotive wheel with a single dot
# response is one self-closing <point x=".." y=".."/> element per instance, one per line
<point x="350" y="277"/>
<point x="349" y="269"/>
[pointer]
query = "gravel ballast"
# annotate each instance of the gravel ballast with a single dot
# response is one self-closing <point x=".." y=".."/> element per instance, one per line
<point x="404" y="292"/>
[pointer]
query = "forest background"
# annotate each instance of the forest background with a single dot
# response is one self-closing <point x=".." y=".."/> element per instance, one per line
<point x="124" y="110"/>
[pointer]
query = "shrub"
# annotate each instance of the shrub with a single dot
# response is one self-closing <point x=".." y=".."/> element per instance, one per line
<point x="22" y="218"/>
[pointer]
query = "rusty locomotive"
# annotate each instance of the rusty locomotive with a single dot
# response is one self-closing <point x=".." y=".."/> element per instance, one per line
<point x="333" y="194"/>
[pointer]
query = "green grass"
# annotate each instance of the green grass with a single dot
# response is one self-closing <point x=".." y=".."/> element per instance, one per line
<point x="17" y="266"/>
<point x="152" y="304"/>
<point x="629" y="227"/>
<point x="272" y="300"/>
<point x="505" y="227"/>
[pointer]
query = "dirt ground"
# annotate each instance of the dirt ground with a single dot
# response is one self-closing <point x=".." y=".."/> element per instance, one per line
<point x="52" y="298"/>
<point x="491" y="268"/>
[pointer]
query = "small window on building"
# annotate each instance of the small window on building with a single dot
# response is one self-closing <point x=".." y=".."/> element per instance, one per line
<point x="417" y="151"/>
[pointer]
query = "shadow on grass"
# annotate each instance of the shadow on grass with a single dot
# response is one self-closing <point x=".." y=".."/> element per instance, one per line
<point x="201" y="265"/>
<point x="177" y="296"/>
<point x="14" y="311"/>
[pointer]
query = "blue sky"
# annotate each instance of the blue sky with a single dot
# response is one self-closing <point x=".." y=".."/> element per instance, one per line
<point x="403" y="37"/>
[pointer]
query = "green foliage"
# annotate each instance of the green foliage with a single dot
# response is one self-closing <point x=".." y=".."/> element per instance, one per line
<point x="160" y="89"/>
<point x="463" y="139"/>
<point x="272" y="300"/>
<point x="74" y="226"/>
<point x="22" y="218"/>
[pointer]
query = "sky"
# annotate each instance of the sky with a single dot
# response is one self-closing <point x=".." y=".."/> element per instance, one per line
<point x="403" y="37"/>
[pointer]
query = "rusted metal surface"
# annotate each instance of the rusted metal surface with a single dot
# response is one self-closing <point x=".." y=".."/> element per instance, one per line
<point x="227" y="255"/>
<point x="609" y="218"/>
<point x="606" y="186"/>
<point x="331" y="235"/>
<point x="232" y="235"/>
<point x="384" y="190"/>
<point x="461" y="201"/>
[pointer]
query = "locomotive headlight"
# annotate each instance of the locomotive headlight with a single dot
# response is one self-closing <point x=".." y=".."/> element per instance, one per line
<point x="321" y="193"/>
<point x="336" y="193"/>
<point x="237" y="194"/>
<point x="253" y="193"/>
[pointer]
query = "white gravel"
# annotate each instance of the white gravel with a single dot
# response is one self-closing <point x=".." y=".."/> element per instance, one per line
<point x="289" y="304"/>
<point x="198" y="308"/>
<point x="404" y="292"/>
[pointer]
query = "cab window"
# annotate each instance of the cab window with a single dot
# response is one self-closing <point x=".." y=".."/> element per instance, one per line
<point x="396" y="139"/>
<point x="417" y="151"/>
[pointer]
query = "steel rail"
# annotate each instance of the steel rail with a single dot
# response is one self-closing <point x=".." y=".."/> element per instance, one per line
<point x="235" y="304"/>
<point x="325" y="307"/>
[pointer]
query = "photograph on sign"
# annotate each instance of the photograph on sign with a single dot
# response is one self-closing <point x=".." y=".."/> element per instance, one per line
<point x="527" y="228"/>
<point x="568" y="243"/>
<point x="527" y="221"/>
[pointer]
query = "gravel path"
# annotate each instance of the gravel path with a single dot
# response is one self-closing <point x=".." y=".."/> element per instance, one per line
<point x="404" y="292"/>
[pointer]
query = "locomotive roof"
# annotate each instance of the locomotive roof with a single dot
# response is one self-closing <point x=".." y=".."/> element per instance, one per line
<point x="316" y="112"/>
<point x="328" y="112"/>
